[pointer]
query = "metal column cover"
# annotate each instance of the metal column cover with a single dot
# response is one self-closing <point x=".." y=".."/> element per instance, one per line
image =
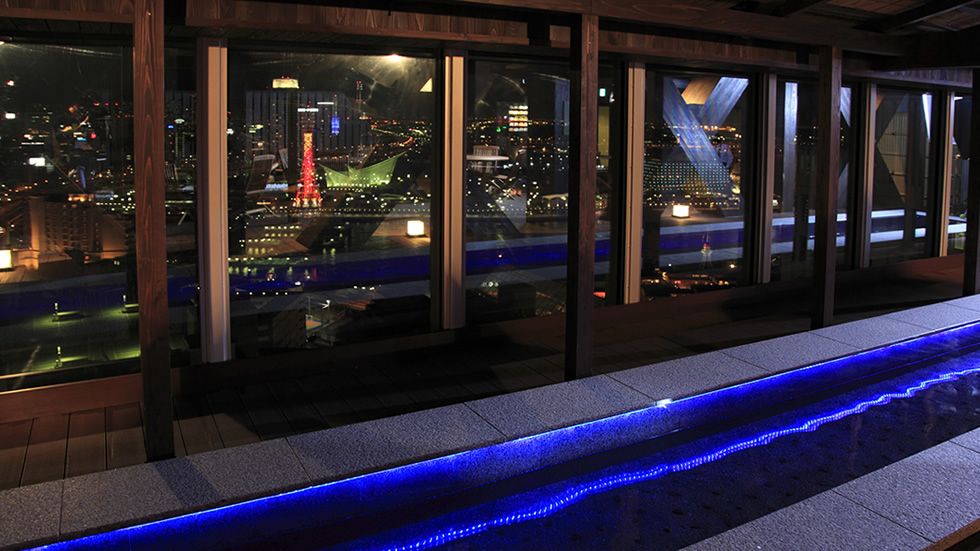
<point x="452" y="212"/>
<point x="212" y="207"/>
<point x="636" y="122"/>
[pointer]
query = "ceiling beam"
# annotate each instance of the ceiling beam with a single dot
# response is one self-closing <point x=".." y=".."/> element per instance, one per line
<point x="914" y="15"/>
<point x="805" y="31"/>
<point x="955" y="50"/>
<point x="790" y="7"/>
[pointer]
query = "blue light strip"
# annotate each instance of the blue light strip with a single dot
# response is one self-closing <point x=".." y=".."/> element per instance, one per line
<point x="252" y="520"/>
<point x="553" y="504"/>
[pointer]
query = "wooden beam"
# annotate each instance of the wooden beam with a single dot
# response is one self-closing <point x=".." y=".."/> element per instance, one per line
<point x="937" y="51"/>
<point x="362" y="20"/>
<point x="914" y="15"/>
<point x="790" y="7"/>
<point x="828" y="176"/>
<point x="91" y="11"/>
<point x="686" y="15"/>
<point x="151" y="230"/>
<point x="583" y="148"/>
<point x="971" y="260"/>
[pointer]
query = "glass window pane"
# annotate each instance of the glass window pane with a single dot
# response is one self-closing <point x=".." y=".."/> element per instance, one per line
<point x="693" y="216"/>
<point x="609" y="191"/>
<point x="330" y="179"/>
<point x="962" y="107"/>
<point x="181" y="198"/>
<point x="901" y="182"/>
<point x="67" y="250"/>
<point x="794" y="199"/>
<point x="517" y="190"/>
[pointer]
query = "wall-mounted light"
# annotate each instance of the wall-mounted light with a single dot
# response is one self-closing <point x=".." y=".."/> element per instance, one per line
<point x="680" y="211"/>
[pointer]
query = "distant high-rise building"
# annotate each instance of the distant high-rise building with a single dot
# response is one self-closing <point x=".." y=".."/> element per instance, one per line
<point x="330" y="117"/>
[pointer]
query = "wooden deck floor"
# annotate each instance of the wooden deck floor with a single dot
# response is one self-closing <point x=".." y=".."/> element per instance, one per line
<point x="52" y="447"/>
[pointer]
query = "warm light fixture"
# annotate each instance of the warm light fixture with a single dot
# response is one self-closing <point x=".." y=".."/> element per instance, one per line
<point x="680" y="211"/>
<point x="395" y="58"/>
<point x="416" y="228"/>
<point x="6" y="260"/>
<point x="285" y="83"/>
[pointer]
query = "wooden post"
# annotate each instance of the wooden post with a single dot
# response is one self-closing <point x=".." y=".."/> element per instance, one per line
<point x="151" y="230"/>
<point x="212" y="197"/>
<point x="828" y="176"/>
<point x="583" y="148"/>
<point x="971" y="262"/>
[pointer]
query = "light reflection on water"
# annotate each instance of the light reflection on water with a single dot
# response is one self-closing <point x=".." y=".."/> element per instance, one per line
<point x="677" y="497"/>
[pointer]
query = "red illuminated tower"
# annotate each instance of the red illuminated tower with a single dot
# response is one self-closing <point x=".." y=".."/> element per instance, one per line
<point x="308" y="195"/>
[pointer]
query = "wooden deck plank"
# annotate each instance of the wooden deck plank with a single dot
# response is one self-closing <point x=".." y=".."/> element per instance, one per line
<point x="393" y="396"/>
<point x="268" y="420"/>
<point x="46" y="449"/>
<point x="361" y="399"/>
<point x="197" y="426"/>
<point x="333" y="409"/>
<point x="14" y="437"/>
<point x="417" y="380"/>
<point x="302" y="415"/>
<point x="515" y="376"/>
<point x="124" y="436"/>
<point x="231" y="418"/>
<point x="86" y="443"/>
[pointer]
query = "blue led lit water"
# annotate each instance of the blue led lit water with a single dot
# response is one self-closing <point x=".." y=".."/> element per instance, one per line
<point x="742" y="452"/>
<point x="676" y="497"/>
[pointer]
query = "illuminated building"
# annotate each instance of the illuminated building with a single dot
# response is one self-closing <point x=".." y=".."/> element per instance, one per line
<point x="308" y="194"/>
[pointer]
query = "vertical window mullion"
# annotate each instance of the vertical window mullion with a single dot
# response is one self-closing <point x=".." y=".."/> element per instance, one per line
<point x="633" y="219"/>
<point x="451" y="213"/>
<point x="212" y="159"/>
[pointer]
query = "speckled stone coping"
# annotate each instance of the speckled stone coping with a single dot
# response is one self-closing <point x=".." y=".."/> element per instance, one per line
<point x="95" y="503"/>
<point x="911" y="504"/>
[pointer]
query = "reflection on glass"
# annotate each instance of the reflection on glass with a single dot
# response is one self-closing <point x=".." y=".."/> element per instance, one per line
<point x="330" y="173"/>
<point x="899" y="215"/>
<point x="517" y="190"/>
<point x="962" y="107"/>
<point x="67" y="249"/>
<point x="609" y="191"/>
<point x="181" y="200"/>
<point x="794" y="199"/>
<point x="693" y="213"/>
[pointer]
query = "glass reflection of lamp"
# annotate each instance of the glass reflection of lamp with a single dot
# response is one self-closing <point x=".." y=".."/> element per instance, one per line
<point x="6" y="259"/>
<point x="415" y="228"/>
<point x="680" y="211"/>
